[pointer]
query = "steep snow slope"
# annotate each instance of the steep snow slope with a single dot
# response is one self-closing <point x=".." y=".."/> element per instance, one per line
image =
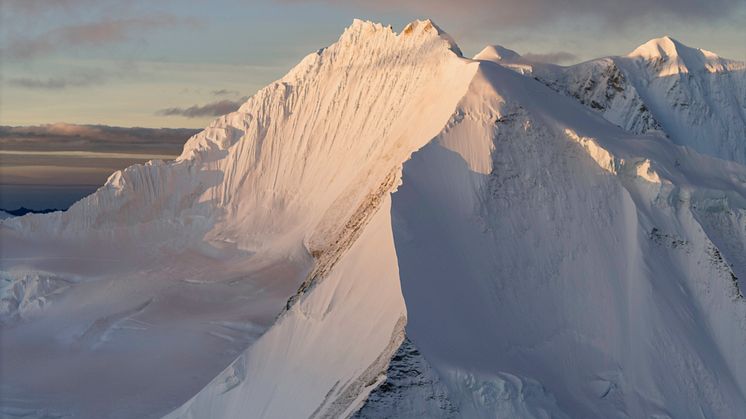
<point x="695" y="97"/>
<point x="328" y="349"/>
<point x="551" y="265"/>
<point x="537" y="241"/>
<point x="152" y="285"/>
<point x="323" y="355"/>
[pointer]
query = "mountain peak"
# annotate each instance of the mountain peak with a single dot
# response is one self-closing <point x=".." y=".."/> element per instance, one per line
<point x="662" y="48"/>
<point x="417" y="31"/>
<point x="426" y="25"/>
<point x="497" y="53"/>
<point x="670" y="56"/>
<point x="415" y="34"/>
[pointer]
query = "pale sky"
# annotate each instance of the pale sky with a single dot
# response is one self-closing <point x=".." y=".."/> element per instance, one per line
<point x="173" y="63"/>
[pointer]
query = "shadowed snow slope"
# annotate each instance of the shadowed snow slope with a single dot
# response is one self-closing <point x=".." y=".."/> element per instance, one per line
<point x="532" y="241"/>
<point x="464" y="241"/>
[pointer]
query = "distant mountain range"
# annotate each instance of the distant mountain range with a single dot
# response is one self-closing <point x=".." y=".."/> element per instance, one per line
<point x="23" y="211"/>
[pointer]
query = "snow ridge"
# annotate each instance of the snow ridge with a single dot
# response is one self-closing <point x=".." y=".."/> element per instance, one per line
<point x="497" y="53"/>
<point x="670" y="56"/>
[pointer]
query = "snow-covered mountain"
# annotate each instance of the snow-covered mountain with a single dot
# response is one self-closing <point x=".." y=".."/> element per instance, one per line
<point x="393" y="230"/>
<point x="691" y="95"/>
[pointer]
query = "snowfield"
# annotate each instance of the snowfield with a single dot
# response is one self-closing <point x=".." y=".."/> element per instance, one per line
<point x="394" y="230"/>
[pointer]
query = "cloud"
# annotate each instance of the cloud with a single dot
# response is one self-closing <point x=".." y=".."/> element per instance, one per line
<point x="87" y="154"/>
<point x="525" y="12"/>
<point x="225" y="92"/>
<point x="93" y="138"/>
<point x="82" y="79"/>
<point x="51" y="166"/>
<point x="88" y="34"/>
<point x="550" y="57"/>
<point x="35" y="7"/>
<point x="217" y="108"/>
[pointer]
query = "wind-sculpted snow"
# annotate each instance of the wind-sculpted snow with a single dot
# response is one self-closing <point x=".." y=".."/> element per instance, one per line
<point x="392" y="230"/>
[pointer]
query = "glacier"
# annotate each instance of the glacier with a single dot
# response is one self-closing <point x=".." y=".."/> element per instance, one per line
<point x="395" y="230"/>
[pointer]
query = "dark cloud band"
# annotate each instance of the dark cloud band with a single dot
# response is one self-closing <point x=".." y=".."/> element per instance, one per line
<point x="220" y="107"/>
<point x="88" y="78"/>
<point x="93" y="138"/>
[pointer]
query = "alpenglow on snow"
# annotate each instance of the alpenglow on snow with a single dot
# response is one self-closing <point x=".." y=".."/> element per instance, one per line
<point x="395" y="230"/>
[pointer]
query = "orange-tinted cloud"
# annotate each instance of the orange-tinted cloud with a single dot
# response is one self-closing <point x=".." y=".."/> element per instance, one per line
<point x="86" y="35"/>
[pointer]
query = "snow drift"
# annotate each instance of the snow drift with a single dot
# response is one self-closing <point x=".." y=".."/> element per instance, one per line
<point x="392" y="230"/>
